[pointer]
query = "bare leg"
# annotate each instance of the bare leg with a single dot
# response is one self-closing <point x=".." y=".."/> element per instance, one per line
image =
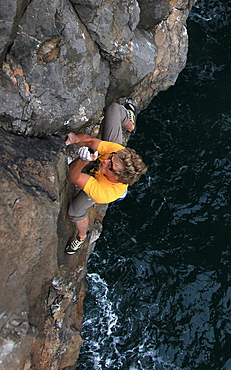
<point x="78" y="213"/>
<point x="129" y="125"/>
<point x="82" y="227"/>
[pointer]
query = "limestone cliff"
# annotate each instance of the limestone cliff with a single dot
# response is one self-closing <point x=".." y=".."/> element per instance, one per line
<point x="62" y="62"/>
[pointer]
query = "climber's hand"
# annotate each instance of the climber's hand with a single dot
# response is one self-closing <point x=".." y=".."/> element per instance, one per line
<point x="71" y="138"/>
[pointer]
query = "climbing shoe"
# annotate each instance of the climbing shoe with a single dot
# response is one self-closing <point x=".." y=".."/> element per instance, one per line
<point x="131" y="112"/>
<point x="75" y="245"/>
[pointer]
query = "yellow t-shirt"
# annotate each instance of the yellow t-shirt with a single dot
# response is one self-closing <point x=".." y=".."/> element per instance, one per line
<point x="99" y="188"/>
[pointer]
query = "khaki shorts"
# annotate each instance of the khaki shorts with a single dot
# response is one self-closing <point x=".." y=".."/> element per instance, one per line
<point x="79" y="206"/>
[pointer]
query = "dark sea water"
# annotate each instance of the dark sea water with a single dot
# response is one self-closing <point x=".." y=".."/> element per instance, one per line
<point x="160" y="277"/>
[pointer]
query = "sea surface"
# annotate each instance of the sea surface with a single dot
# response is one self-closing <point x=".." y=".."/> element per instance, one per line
<point x="160" y="277"/>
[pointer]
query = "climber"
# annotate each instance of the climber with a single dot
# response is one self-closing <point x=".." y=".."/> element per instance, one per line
<point x="114" y="167"/>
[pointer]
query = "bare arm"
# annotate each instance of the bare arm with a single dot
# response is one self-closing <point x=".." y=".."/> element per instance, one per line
<point x="83" y="140"/>
<point x="75" y="176"/>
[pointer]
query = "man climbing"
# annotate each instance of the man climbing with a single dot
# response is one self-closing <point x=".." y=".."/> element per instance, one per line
<point x="116" y="167"/>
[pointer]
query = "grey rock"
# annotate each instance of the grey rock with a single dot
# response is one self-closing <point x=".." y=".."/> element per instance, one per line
<point x="140" y="61"/>
<point x="117" y="20"/>
<point x="55" y="66"/>
<point x="153" y="12"/>
<point x="62" y="63"/>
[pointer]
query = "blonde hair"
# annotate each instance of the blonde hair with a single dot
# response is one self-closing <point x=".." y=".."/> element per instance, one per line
<point x="133" y="166"/>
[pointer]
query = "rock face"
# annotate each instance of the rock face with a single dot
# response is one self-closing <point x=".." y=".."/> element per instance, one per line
<point x="62" y="62"/>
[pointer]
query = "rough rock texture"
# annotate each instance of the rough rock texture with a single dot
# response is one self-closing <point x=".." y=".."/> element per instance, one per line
<point x="62" y="62"/>
<point x="42" y="289"/>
